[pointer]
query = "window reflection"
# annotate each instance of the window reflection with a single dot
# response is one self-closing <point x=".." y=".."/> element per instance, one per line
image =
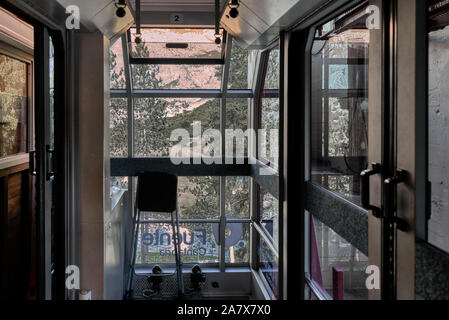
<point x="339" y="140"/>
<point x="13" y="106"/>
<point x="330" y="253"/>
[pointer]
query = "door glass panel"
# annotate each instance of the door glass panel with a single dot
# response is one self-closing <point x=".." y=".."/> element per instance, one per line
<point x="13" y="106"/>
<point x="330" y="255"/>
<point x="438" y="143"/>
<point x="339" y="141"/>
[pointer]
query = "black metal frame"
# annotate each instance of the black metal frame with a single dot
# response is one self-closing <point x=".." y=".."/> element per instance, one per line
<point x="181" y="61"/>
<point x="46" y="27"/>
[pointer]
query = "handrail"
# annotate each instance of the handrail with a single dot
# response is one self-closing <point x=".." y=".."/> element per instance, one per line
<point x="319" y="292"/>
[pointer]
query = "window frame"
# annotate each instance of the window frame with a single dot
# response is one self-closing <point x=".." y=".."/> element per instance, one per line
<point x="22" y="157"/>
<point x="221" y="94"/>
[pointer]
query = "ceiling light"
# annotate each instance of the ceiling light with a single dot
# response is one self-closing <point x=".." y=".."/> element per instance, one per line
<point x="120" y="5"/>
<point x="234" y="5"/>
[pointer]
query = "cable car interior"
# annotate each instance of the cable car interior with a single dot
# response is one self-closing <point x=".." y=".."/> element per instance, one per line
<point x="224" y="150"/>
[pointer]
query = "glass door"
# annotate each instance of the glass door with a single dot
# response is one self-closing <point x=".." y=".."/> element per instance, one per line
<point x="342" y="118"/>
<point x="359" y="241"/>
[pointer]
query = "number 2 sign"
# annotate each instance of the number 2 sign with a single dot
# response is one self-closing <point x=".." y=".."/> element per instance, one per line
<point x="176" y="18"/>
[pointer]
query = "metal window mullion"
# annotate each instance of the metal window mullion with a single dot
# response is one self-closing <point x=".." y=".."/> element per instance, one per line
<point x="197" y="221"/>
<point x="130" y="116"/>
<point x="224" y="89"/>
<point x="254" y="120"/>
<point x="183" y="93"/>
<point x="129" y="96"/>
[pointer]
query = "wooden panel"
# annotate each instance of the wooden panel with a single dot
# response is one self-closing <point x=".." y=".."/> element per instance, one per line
<point x="15" y="236"/>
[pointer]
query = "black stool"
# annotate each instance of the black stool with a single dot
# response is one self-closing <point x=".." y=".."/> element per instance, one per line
<point x="157" y="192"/>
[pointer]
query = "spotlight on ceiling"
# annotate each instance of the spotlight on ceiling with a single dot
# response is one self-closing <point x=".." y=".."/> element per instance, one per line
<point x="234" y="5"/>
<point x="217" y="39"/>
<point x="138" y="39"/>
<point x="120" y="5"/>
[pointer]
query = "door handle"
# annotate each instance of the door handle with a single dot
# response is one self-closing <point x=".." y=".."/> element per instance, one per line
<point x="50" y="162"/>
<point x="390" y="184"/>
<point x="365" y="188"/>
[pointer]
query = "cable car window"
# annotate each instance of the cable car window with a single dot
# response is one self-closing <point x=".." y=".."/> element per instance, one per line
<point x="339" y="82"/>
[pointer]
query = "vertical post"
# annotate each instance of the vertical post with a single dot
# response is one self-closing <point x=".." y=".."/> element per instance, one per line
<point x="224" y="90"/>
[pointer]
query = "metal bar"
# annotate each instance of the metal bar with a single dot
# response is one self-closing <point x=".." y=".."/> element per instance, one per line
<point x="321" y="294"/>
<point x="197" y="221"/>
<point x="269" y="180"/>
<point x="252" y="152"/>
<point x="123" y="167"/>
<point x="129" y="95"/>
<point x="138" y="12"/>
<point x="354" y="228"/>
<point x="231" y="94"/>
<point x="266" y="239"/>
<point x="134" y="253"/>
<point x="177" y="61"/>
<point x="222" y="237"/>
<point x="141" y="268"/>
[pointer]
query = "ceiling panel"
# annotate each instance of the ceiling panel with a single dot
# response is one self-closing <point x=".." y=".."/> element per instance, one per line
<point x="178" y="5"/>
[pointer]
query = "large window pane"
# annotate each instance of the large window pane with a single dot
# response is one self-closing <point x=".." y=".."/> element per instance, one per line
<point x="272" y="76"/>
<point x="237" y="197"/>
<point x="118" y="127"/>
<point x="151" y="76"/>
<point x="269" y="215"/>
<point x="13" y="106"/>
<point x="241" y="67"/>
<point x="269" y="115"/>
<point x="155" y="120"/>
<point x="155" y="244"/>
<point x="237" y="121"/>
<point x="438" y="126"/>
<point x="116" y="66"/>
<point x="146" y="76"/>
<point x="176" y="43"/>
<point x="339" y="141"/>
<point x="331" y="253"/>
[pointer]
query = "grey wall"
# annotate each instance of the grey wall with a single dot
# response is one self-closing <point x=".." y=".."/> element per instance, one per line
<point x="439" y="137"/>
<point x="92" y="160"/>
